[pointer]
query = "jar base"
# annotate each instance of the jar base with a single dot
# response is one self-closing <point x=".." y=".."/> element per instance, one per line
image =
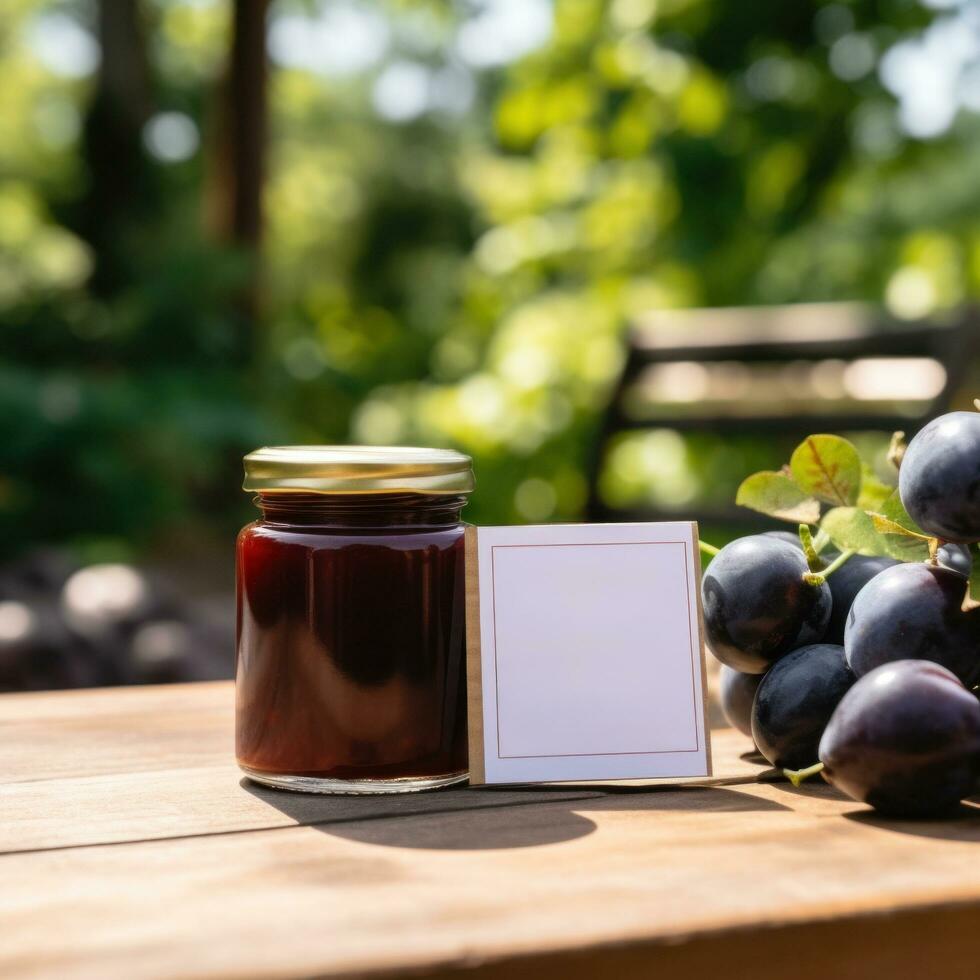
<point x="353" y="787"/>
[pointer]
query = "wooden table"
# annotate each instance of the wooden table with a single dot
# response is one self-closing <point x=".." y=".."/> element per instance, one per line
<point x="130" y="847"/>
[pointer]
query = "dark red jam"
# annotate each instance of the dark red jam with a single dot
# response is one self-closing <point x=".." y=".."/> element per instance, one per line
<point x="351" y="638"/>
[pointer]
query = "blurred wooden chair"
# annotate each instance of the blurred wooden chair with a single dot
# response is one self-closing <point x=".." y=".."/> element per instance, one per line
<point x="780" y="371"/>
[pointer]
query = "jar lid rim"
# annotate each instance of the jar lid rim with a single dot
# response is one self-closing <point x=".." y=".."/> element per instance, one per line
<point x="358" y="469"/>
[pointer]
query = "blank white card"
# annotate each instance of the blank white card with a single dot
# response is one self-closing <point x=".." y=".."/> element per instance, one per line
<point x="585" y="656"/>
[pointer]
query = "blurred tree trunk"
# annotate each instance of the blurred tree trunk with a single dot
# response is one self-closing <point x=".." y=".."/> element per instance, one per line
<point x="118" y="180"/>
<point x="238" y="167"/>
<point x="239" y="160"/>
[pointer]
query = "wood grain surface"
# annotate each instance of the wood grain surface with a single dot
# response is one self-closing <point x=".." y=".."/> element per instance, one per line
<point x="131" y="847"/>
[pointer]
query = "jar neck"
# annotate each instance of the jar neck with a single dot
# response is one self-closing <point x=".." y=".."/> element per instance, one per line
<point x="363" y="510"/>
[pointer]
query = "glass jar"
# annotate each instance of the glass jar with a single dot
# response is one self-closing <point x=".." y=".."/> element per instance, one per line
<point x="351" y="673"/>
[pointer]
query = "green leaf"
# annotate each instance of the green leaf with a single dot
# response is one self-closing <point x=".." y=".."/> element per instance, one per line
<point x="851" y="529"/>
<point x="778" y="496"/>
<point x="893" y="508"/>
<point x="975" y="576"/>
<point x="900" y="542"/>
<point x="902" y="536"/>
<point x="884" y="525"/>
<point x="828" y="468"/>
<point x="874" y="493"/>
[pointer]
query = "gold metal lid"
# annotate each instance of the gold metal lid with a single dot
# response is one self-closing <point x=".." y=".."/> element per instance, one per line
<point x="358" y="469"/>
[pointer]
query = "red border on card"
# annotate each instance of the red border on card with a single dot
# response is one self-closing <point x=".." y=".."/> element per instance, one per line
<point x="590" y="544"/>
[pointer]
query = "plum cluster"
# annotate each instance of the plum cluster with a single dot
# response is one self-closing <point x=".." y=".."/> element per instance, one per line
<point x="869" y="671"/>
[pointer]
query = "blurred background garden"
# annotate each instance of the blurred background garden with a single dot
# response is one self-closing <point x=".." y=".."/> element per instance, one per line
<point x="228" y="224"/>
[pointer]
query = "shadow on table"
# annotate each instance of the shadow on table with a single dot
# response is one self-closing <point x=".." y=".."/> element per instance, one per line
<point x="487" y="819"/>
<point x="811" y="788"/>
<point x="963" y="824"/>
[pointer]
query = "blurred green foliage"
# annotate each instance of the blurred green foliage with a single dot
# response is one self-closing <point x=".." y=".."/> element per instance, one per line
<point x="458" y="274"/>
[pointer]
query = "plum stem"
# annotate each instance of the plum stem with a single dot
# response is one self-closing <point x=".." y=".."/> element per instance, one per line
<point x="708" y="549"/>
<point x="818" y="578"/>
<point x="820" y="541"/>
<point x="809" y="549"/>
<point x="798" y="776"/>
<point x="896" y="449"/>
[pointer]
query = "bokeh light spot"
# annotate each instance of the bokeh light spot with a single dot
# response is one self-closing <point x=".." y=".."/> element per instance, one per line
<point x="535" y="499"/>
<point x="171" y="137"/>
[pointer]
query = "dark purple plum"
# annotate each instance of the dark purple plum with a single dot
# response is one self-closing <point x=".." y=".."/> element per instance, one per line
<point x="906" y="739"/>
<point x="845" y="583"/>
<point x="957" y="557"/>
<point x="757" y="605"/>
<point x="939" y="480"/>
<point x="914" y="612"/>
<point x="795" y="701"/>
<point x="737" y="693"/>
<point x="790" y="537"/>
